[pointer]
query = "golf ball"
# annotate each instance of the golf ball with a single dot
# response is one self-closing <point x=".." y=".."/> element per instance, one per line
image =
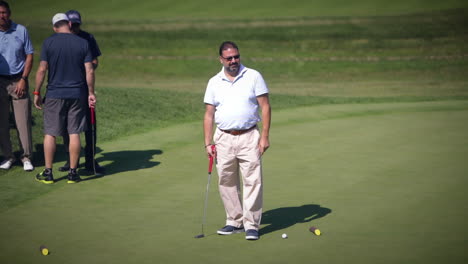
<point x="284" y="236"/>
<point x="315" y="230"/>
<point x="44" y="250"/>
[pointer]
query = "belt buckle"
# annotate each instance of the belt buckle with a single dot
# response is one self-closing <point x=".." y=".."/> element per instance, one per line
<point x="237" y="132"/>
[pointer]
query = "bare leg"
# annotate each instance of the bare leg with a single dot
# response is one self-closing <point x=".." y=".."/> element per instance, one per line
<point x="74" y="148"/>
<point x="49" y="150"/>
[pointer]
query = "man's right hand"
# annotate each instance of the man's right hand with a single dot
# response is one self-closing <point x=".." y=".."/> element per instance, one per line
<point x="211" y="150"/>
<point x="38" y="101"/>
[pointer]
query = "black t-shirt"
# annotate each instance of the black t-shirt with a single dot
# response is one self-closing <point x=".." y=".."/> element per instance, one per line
<point x="93" y="46"/>
<point x="66" y="54"/>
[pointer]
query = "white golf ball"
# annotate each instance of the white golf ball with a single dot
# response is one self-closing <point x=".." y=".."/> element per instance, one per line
<point x="284" y="236"/>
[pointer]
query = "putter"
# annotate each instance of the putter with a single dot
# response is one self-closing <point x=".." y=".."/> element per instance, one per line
<point x="210" y="168"/>
<point x="93" y="129"/>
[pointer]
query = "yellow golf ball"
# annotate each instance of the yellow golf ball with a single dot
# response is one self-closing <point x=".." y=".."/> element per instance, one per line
<point x="315" y="230"/>
<point x="44" y="250"/>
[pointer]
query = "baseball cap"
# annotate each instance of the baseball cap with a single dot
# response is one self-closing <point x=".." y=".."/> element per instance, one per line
<point x="74" y="16"/>
<point x="59" y="17"/>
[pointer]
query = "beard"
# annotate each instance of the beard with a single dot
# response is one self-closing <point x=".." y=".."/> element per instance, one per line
<point x="5" y="24"/>
<point x="233" y="68"/>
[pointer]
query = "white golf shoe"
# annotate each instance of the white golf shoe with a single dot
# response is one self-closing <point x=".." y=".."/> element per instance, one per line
<point x="27" y="165"/>
<point x="6" y="164"/>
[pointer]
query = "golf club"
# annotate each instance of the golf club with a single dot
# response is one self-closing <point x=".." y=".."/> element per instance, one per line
<point x="210" y="168"/>
<point x="93" y="129"/>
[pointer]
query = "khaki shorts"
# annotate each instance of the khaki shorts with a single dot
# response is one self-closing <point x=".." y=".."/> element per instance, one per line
<point x="64" y="116"/>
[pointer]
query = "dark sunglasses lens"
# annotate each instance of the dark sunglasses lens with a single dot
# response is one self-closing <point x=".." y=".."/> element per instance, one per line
<point x="233" y="57"/>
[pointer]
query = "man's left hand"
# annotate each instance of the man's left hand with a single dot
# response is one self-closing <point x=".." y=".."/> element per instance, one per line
<point x="263" y="145"/>
<point x="91" y="101"/>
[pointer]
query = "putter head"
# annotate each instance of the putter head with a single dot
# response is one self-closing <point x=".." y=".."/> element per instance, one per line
<point x="200" y="236"/>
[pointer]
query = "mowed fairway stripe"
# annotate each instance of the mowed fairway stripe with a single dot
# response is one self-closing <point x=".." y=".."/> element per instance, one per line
<point x="384" y="183"/>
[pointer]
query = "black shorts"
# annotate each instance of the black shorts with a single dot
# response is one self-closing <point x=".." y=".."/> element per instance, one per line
<point x="64" y="116"/>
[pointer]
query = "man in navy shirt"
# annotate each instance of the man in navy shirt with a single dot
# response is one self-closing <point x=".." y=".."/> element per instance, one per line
<point x="75" y="19"/>
<point x="70" y="90"/>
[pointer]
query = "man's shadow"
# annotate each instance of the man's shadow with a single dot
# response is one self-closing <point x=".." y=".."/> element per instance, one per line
<point x="284" y="217"/>
<point x="121" y="161"/>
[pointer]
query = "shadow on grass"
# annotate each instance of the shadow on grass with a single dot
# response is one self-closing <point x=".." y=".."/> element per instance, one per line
<point x="127" y="160"/>
<point x="284" y="217"/>
<point x="120" y="161"/>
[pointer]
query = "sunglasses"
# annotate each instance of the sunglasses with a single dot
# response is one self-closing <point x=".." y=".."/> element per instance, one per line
<point x="231" y="58"/>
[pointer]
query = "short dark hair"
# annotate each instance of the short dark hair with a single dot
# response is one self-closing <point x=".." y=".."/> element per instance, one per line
<point x="227" y="45"/>
<point x="61" y="23"/>
<point x="6" y="5"/>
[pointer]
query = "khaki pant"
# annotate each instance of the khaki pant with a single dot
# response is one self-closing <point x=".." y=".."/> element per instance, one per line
<point x="22" y="113"/>
<point x="240" y="154"/>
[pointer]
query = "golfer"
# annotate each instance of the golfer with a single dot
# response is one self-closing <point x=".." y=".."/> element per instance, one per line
<point x="233" y="99"/>
<point x="70" y="90"/>
<point x="16" y="60"/>
<point x="90" y="148"/>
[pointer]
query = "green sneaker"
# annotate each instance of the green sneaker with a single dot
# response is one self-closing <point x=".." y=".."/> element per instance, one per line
<point x="73" y="176"/>
<point x="45" y="176"/>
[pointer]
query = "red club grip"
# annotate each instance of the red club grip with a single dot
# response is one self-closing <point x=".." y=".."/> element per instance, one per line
<point x="93" y="116"/>
<point x="210" y="166"/>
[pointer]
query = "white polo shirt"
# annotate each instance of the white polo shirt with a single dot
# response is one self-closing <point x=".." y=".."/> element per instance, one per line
<point x="236" y="102"/>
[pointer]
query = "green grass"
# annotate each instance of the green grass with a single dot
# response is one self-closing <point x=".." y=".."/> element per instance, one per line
<point x="369" y="135"/>
<point x="162" y="10"/>
<point x="360" y="172"/>
<point x="412" y="46"/>
<point x="153" y="108"/>
<point x="160" y="67"/>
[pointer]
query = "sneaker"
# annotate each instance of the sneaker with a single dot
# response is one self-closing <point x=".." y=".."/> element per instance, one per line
<point x="73" y="176"/>
<point x="251" y="234"/>
<point x="65" y="167"/>
<point x="27" y="165"/>
<point x="229" y="230"/>
<point x="6" y="164"/>
<point x="45" y="176"/>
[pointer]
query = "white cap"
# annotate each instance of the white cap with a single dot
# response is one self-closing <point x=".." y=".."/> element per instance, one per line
<point x="59" y="17"/>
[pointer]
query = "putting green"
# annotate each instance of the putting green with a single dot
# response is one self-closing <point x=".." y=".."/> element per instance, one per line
<point x="385" y="183"/>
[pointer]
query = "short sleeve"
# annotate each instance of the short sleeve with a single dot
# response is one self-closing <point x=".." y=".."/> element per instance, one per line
<point x="28" y="47"/>
<point x="260" y="85"/>
<point x="209" y="94"/>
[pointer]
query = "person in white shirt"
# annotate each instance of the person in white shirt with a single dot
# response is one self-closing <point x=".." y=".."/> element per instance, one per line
<point x="233" y="99"/>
